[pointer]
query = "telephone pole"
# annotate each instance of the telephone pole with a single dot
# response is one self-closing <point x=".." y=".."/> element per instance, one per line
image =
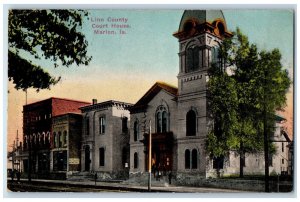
<point x="150" y="157"/>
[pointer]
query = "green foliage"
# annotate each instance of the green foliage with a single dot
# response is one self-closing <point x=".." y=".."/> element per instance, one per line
<point x="247" y="83"/>
<point x="45" y="34"/>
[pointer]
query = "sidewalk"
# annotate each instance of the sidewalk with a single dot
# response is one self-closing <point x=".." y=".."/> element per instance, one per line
<point x="135" y="187"/>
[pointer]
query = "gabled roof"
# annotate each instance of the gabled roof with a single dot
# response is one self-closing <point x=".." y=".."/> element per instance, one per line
<point x="152" y="92"/>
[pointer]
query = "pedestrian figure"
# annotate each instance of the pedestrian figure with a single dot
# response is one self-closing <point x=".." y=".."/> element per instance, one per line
<point x="96" y="177"/>
<point x="159" y="174"/>
<point x="170" y="177"/>
<point x="18" y="176"/>
<point x="12" y="175"/>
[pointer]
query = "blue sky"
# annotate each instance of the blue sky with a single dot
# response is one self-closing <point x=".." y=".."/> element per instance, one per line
<point x="149" y="47"/>
<point x="124" y="67"/>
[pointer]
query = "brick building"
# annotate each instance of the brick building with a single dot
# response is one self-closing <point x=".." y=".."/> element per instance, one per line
<point x="65" y="153"/>
<point x="37" y="131"/>
<point x="105" y="139"/>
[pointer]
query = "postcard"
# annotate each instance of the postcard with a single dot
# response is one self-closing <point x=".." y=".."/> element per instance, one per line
<point x="150" y="100"/>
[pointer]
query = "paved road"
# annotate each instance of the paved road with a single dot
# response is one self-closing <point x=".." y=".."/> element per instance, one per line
<point x="89" y="186"/>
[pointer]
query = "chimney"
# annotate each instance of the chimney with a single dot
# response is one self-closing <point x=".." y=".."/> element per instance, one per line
<point x="94" y="101"/>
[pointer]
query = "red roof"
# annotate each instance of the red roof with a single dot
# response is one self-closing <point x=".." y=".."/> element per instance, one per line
<point x="63" y="106"/>
<point x="152" y="92"/>
<point x="57" y="106"/>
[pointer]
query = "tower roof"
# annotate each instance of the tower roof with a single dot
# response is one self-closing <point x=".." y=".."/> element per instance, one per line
<point x="194" y="22"/>
<point x="201" y="16"/>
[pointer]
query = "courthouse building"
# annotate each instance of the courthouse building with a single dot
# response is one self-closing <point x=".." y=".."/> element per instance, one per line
<point x="179" y="116"/>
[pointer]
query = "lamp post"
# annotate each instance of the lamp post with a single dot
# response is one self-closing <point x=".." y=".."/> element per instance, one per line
<point x="150" y="157"/>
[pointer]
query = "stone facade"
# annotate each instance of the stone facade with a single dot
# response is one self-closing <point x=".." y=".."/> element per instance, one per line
<point x="105" y="139"/>
<point x="178" y="117"/>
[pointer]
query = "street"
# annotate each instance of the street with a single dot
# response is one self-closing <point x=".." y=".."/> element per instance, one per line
<point x="71" y="186"/>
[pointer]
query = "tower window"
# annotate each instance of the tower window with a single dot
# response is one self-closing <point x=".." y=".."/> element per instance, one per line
<point x="192" y="58"/>
<point x="191" y="123"/>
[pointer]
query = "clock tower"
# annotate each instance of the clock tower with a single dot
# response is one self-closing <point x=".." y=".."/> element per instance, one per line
<point x="200" y="34"/>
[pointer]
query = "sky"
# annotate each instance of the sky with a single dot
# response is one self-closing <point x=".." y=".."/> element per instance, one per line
<point x="125" y="66"/>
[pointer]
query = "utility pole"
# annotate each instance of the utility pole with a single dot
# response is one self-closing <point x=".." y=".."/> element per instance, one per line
<point x="150" y="157"/>
<point x="266" y="148"/>
<point x="266" y="138"/>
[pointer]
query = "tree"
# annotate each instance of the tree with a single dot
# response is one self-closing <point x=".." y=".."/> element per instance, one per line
<point x="253" y="76"/>
<point x="222" y="106"/>
<point x="44" y="34"/>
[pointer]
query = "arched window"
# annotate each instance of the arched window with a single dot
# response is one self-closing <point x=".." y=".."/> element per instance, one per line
<point x="187" y="159"/>
<point x="135" y="160"/>
<point x="194" y="159"/>
<point x="192" y="58"/>
<point x="34" y="138"/>
<point x="44" y="138"/>
<point x="65" y="139"/>
<point x="54" y="140"/>
<point x="215" y="55"/>
<point x="164" y="121"/>
<point x="191" y="123"/>
<point x="161" y="120"/>
<point x="136" y="130"/>
<point x="59" y="139"/>
<point x="158" y="122"/>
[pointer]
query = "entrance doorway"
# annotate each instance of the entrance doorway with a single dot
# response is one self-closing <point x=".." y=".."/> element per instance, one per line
<point x="87" y="158"/>
<point x="162" y="144"/>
